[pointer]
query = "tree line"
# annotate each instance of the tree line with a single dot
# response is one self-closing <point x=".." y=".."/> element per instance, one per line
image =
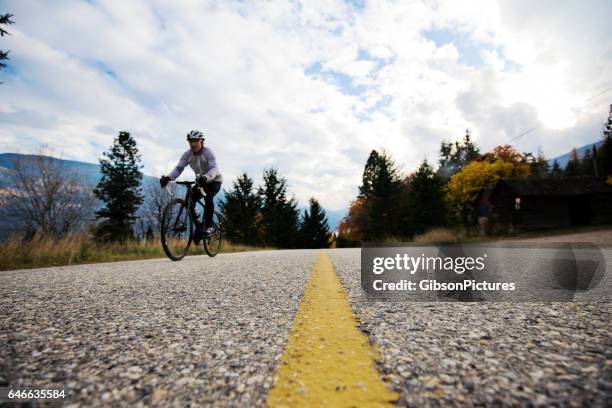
<point x="49" y="199"/>
<point x="45" y="198"/>
<point x="267" y="216"/>
<point x="391" y="205"/>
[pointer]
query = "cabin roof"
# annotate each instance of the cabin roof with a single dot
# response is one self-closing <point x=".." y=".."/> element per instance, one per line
<point x="553" y="187"/>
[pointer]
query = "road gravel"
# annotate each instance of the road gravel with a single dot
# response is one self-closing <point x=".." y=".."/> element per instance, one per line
<point x="210" y="331"/>
<point x="491" y="354"/>
<point x="156" y="332"/>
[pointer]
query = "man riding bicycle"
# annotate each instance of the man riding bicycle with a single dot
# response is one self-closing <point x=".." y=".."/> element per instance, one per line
<point x="204" y="164"/>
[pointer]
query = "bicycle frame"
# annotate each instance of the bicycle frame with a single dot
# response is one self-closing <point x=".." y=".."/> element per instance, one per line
<point x="188" y="199"/>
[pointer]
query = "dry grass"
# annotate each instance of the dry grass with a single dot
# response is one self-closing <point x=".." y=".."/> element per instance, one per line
<point x="431" y="236"/>
<point x="40" y="251"/>
<point x="439" y="235"/>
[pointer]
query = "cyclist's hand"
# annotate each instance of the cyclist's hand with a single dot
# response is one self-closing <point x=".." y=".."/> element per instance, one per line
<point x="202" y="180"/>
<point x="163" y="181"/>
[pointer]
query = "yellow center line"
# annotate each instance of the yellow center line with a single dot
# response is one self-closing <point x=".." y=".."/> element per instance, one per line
<point x="327" y="361"/>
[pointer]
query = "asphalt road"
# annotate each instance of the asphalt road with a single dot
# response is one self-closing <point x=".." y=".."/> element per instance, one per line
<point x="210" y="331"/>
<point x="491" y="354"/>
<point x="203" y="330"/>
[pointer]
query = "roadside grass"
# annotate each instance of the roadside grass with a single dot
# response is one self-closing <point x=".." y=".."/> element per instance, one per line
<point x="430" y="236"/>
<point x="439" y="235"/>
<point x="520" y="235"/>
<point x="473" y="235"/>
<point x="40" y="251"/>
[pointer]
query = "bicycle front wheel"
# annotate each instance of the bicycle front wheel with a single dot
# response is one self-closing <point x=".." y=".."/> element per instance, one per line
<point x="176" y="229"/>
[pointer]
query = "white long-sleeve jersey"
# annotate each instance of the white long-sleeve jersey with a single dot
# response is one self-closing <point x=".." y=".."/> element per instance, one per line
<point x="203" y="163"/>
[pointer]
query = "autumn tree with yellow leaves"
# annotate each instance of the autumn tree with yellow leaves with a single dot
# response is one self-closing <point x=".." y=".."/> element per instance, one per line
<point x="463" y="187"/>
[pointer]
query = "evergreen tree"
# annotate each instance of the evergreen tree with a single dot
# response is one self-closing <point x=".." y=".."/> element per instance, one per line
<point x="604" y="152"/>
<point x="314" y="229"/>
<point x="280" y="215"/>
<point x="402" y="218"/>
<point x="5" y="19"/>
<point x="380" y="204"/>
<point x="586" y="164"/>
<point x="556" y="171"/>
<point x="596" y="163"/>
<point x="573" y="166"/>
<point x="119" y="189"/>
<point x="240" y="212"/>
<point x="425" y="205"/>
<point x="453" y="156"/>
<point x="371" y="168"/>
<point x="149" y="236"/>
<point x="539" y="165"/>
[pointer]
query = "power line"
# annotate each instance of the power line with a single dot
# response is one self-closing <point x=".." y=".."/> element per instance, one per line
<point x="574" y="108"/>
<point x="525" y="132"/>
<point x="599" y="94"/>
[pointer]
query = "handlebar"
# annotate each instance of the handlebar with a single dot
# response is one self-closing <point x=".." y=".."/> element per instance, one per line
<point x="184" y="183"/>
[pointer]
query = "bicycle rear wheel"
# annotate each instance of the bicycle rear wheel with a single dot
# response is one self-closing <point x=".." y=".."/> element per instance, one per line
<point x="176" y="230"/>
<point x="212" y="243"/>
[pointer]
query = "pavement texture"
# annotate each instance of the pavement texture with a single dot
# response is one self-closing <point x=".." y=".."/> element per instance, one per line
<point x="203" y="331"/>
<point x="211" y="331"/>
<point x="487" y="354"/>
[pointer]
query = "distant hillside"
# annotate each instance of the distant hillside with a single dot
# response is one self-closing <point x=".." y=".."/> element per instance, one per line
<point x="564" y="159"/>
<point x="90" y="174"/>
<point x="334" y="218"/>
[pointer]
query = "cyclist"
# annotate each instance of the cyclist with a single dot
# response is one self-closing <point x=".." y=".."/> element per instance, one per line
<point x="204" y="164"/>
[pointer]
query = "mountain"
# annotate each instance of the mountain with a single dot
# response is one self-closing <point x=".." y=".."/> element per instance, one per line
<point x="565" y="158"/>
<point x="334" y="218"/>
<point x="90" y="174"/>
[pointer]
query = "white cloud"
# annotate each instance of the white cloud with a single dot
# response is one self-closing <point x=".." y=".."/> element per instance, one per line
<point x="85" y="70"/>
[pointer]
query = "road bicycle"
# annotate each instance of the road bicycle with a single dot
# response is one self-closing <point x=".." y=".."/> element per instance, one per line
<point x="177" y="225"/>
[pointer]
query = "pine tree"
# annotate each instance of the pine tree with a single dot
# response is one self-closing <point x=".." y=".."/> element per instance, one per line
<point x="380" y="203"/>
<point x="555" y="171"/>
<point x="586" y="164"/>
<point x="539" y="165"/>
<point x="371" y="167"/>
<point x="454" y="156"/>
<point x="119" y="189"/>
<point x="149" y="235"/>
<point x="605" y="150"/>
<point x="596" y="163"/>
<point x="240" y="213"/>
<point x="573" y="166"/>
<point x="425" y="205"/>
<point x="279" y="214"/>
<point x="314" y="229"/>
<point x="5" y="19"/>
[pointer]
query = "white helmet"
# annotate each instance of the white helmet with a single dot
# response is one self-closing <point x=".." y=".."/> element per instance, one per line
<point x="195" y="135"/>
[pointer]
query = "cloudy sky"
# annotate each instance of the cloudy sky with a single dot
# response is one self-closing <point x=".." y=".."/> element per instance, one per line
<point x="310" y="88"/>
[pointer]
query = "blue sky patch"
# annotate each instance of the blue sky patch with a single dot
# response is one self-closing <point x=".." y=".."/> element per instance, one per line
<point x="343" y="81"/>
<point x="381" y="103"/>
<point x="469" y="52"/>
<point x="363" y="55"/>
<point x="105" y="69"/>
<point x="358" y="5"/>
<point x="8" y="70"/>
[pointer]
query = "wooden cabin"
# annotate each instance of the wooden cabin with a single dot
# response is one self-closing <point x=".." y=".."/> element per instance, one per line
<point x="547" y="203"/>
